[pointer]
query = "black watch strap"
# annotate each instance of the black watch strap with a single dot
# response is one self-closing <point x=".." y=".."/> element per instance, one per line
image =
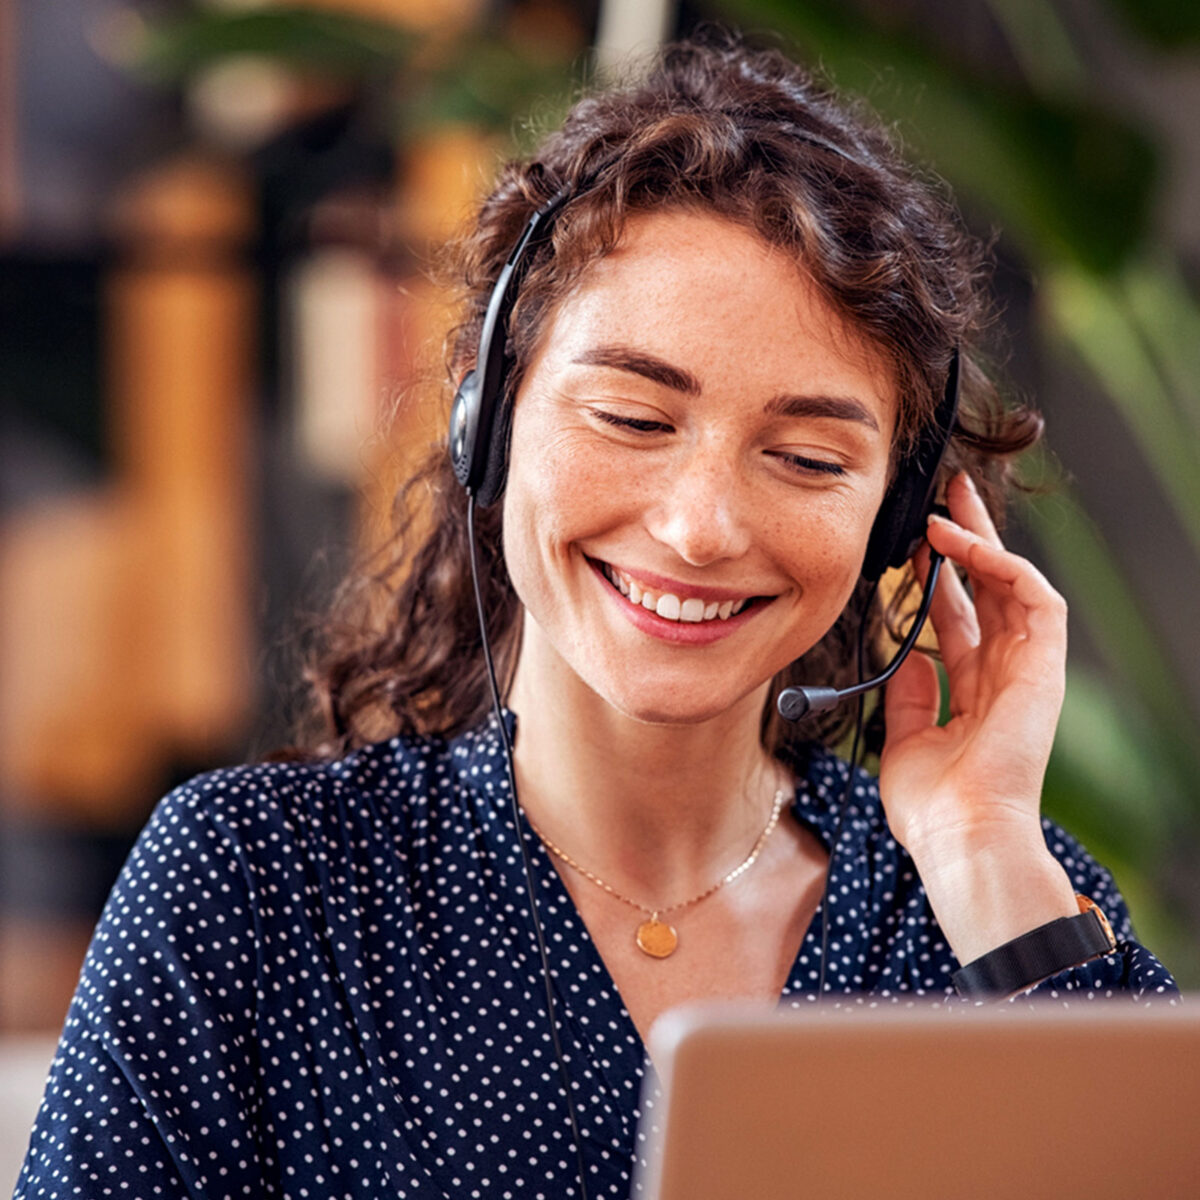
<point x="1037" y="955"/>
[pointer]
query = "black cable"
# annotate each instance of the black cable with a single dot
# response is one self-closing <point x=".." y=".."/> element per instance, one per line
<point x="529" y="884"/>
<point x="844" y="806"/>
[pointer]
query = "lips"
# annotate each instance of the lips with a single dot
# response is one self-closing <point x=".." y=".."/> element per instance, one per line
<point x="671" y="605"/>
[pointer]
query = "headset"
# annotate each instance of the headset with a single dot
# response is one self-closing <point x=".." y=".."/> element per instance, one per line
<point x="480" y="418"/>
<point x="480" y="429"/>
<point x="481" y="421"/>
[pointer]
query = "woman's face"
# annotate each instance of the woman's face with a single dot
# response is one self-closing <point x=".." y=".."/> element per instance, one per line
<point x="699" y="448"/>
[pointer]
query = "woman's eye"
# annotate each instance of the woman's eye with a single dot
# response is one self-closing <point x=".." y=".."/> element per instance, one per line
<point x="804" y="465"/>
<point x="637" y="424"/>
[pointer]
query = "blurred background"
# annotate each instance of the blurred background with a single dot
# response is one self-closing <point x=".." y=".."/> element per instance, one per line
<point x="216" y="327"/>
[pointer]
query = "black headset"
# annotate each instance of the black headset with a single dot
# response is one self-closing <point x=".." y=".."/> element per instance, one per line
<point x="481" y="419"/>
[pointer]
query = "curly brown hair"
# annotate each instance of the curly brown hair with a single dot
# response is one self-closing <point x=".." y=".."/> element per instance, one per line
<point x="718" y="126"/>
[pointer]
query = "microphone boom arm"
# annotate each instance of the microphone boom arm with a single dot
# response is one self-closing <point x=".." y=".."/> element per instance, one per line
<point x="797" y="702"/>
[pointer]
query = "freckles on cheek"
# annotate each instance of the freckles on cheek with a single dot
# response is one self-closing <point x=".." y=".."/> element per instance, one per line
<point x="547" y="463"/>
<point x="824" y="557"/>
<point x="818" y="550"/>
<point x="573" y="483"/>
<point x="546" y="511"/>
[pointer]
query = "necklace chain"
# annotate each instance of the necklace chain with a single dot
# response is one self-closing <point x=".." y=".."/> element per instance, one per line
<point x="655" y="913"/>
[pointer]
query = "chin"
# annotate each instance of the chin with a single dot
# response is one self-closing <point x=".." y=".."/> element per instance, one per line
<point x="656" y="705"/>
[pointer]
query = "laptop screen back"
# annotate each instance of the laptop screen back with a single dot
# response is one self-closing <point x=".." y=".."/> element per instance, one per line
<point x="1101" y="1100"/>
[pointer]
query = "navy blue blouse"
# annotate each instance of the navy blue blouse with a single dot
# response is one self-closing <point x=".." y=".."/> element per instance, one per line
<point x="320" y="980"/>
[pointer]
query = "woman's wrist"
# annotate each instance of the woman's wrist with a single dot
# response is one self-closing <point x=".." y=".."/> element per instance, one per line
<point x="987" y="887"/>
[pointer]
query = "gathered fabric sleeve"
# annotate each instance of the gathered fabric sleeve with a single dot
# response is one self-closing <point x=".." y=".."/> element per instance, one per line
<point x="152" y="1091"/>
<point x="1132" y="971"/>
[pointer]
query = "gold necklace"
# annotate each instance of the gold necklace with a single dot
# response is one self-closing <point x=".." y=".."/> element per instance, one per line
<point x="654" y="937"/>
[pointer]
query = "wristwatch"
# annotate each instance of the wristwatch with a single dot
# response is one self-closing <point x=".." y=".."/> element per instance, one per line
<point x="1039" y="954"/>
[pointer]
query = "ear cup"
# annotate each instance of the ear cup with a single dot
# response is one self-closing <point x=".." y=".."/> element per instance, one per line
<point x="900" y="523"/>
<point x="494" y="451"/>
<point x="480" y="420"/>
<point x="464" y="428"/>
<point x="479" y="433"/>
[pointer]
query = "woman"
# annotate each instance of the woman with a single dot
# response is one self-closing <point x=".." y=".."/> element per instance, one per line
<point x="733" y="325"/>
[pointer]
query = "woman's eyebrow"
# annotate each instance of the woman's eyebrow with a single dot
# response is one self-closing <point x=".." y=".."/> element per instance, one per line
<point x="845" y="408"/>
<point x="637" y="362"/>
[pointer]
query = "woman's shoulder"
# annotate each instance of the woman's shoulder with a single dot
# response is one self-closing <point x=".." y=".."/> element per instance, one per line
<point x="294" y="795"/>
<point x="249" y="839"/>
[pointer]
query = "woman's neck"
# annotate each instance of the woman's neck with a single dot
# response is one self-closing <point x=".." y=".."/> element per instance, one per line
<point x="657" y="810"/>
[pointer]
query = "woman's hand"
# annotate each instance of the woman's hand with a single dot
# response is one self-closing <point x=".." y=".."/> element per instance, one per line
<point x="964" y="798"/>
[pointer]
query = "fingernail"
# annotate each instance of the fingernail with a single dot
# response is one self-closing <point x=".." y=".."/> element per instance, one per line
<point x="966" y="478"/>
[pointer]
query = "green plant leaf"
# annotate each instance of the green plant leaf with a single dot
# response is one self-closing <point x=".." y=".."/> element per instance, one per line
<point x="332" y="44"/>
<point x="1069" y="180"/>
<point x="1095" y="319"/>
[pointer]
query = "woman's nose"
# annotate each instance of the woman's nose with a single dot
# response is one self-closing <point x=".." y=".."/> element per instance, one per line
<point x="700" y="510"/>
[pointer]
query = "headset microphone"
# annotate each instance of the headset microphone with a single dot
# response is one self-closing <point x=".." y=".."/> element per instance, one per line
<point x="797" y="702"/>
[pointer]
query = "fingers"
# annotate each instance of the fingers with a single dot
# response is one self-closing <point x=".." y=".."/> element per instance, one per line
<point x="1011" y="594"/>
<point x="912" y="699"/>
<point x="971" y="513"/>
<point x="1011" y="608"/>
<point x="968" y="509"/>
<point x="999" y="574"/>
<point x="952" y="612"/>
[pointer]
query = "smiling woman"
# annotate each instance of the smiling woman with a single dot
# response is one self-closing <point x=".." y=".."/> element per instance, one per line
<point x="713" y="336"/>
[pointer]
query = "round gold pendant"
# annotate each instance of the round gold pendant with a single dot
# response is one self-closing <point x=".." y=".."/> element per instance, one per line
<point x="657" y="938"/>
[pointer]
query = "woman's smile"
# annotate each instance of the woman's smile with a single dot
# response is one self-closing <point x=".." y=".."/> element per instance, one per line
<point x="688" y="614"/>
<point x="674" y="600"/>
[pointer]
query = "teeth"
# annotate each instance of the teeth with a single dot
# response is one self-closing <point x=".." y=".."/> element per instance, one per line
<point x="671" y="607"/>
<point x="668" y="606"/>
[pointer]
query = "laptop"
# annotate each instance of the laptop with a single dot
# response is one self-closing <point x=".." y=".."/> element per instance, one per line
<point x="1096" y="1102"/>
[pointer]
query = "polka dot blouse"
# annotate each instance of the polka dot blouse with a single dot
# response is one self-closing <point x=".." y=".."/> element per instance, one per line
<point x="320" y="980"/>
